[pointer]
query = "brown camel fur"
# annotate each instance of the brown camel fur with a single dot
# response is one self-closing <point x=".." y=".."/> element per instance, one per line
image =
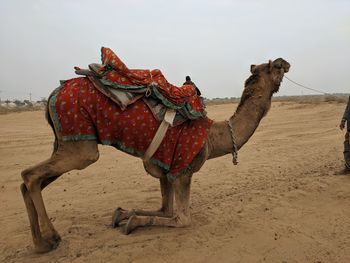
<point x="255" y="103"/>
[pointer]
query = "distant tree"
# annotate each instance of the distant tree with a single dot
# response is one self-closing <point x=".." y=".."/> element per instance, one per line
<point x="43" y="100"/>
<point x="18" y="103"/>
<point x="28" y="102"/>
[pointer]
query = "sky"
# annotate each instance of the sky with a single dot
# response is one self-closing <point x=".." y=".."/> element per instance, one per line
<point x="213" y="41"/>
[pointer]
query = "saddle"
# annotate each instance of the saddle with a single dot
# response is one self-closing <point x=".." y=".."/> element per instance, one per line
<point x="169" y="104"/>
<point x="122" y="97"/>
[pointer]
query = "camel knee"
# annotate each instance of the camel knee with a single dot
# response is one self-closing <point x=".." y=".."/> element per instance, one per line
<point x="168" y="212"/>
<point x="183" y="221"/>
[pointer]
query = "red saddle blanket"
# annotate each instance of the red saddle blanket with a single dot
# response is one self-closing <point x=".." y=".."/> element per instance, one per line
<point x="81" y="112"/>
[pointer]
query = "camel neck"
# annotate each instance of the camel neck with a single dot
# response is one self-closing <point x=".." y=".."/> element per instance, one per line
<point x="246" y="119"/>
<point x="248" y="116"/>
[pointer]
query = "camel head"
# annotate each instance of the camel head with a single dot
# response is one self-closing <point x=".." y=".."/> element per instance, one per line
<point x="272" y="72"/>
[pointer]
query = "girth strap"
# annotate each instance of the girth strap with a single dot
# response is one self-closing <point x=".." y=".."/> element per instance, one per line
<point x="159" y="136"/>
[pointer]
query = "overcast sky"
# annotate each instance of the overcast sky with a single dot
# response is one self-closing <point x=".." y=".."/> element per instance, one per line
<point x="213" y="41"/>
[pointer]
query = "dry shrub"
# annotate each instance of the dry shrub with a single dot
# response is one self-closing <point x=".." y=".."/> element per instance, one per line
<point x="219" y="101"/>
<point x="313" y="99"/>
<point x="335" y="99"/>
<point x="5" y="110"/>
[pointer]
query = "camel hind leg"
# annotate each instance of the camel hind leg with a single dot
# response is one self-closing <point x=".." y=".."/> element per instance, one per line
<point x="67" y="157"/>
<point x="166" y="209"/>
<point x="181" y="218"/>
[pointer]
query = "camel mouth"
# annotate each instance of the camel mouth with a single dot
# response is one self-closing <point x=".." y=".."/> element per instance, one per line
<point x="286" y="67"/>
<point x="280" y="63"/>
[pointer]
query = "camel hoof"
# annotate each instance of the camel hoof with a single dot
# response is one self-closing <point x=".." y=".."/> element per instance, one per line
<point x="47" y="246"/>
<point x="117" y="217"/>
<point x="344" y="171"/>
<point x="52" y="238"/>
<point x="56" y="239"/>
<point x="129" y="226"/>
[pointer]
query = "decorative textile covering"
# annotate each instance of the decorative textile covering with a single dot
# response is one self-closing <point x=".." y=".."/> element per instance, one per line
<point x="81" y="112"/>
<point x="116" y="74"/>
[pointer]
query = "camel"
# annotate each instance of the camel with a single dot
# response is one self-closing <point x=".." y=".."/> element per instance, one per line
<point x="224" y="137"/>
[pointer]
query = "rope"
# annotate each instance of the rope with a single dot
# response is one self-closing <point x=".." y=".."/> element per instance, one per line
<point x="234" y="148"/>
<point x="305" y="87"/>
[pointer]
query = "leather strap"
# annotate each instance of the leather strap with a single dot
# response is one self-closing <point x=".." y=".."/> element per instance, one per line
<point x="85" y="72"/>
<point x="159" y="136"/>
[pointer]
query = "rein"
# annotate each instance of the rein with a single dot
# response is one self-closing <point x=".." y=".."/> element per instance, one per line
<point x="305" y="87"/>
<point x="234" y="148"/>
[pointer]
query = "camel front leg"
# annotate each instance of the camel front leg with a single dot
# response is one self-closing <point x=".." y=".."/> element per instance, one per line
<point x="182" y="217"/>
<point x="165" y="211"/>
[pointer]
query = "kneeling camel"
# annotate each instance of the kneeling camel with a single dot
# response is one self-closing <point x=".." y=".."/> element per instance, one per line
<point x="224" y="137"/>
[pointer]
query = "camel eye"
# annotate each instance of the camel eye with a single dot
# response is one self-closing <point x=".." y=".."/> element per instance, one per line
<point x="278" y="66"/>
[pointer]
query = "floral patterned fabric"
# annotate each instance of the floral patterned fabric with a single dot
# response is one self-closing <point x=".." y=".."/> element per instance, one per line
<point x="115" y="73"/>
<point x="81" y="112"/>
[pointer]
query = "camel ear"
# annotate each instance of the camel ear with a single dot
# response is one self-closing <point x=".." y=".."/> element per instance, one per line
<point x="252" y="69"/>
<point x="270" y="65"/>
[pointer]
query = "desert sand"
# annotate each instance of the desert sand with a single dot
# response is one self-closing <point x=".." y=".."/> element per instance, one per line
<point x="281" y="203"/>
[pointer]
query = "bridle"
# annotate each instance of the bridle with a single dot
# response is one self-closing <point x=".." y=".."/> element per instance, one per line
<point x="234" y="148"/>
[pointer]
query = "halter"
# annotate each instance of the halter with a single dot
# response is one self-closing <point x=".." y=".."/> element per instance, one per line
<point x="234" y="148"/>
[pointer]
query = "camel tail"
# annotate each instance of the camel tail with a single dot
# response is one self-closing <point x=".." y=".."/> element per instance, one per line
<point x="49" y="119"/>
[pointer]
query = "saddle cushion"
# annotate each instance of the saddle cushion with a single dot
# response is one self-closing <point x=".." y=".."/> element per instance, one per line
<point x="81" y="112"/>
<point x="115" y="74"/>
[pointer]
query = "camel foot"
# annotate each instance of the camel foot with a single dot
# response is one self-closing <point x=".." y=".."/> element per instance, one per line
<point x="344" y="171"/>
<point x="47" y="245"/>
<point x="117" y="217"/>
<point x="120" y="214"/>
<point x="55" y="239"/>
<point x="51" y="236"/>
<point x="130" y="225"/>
